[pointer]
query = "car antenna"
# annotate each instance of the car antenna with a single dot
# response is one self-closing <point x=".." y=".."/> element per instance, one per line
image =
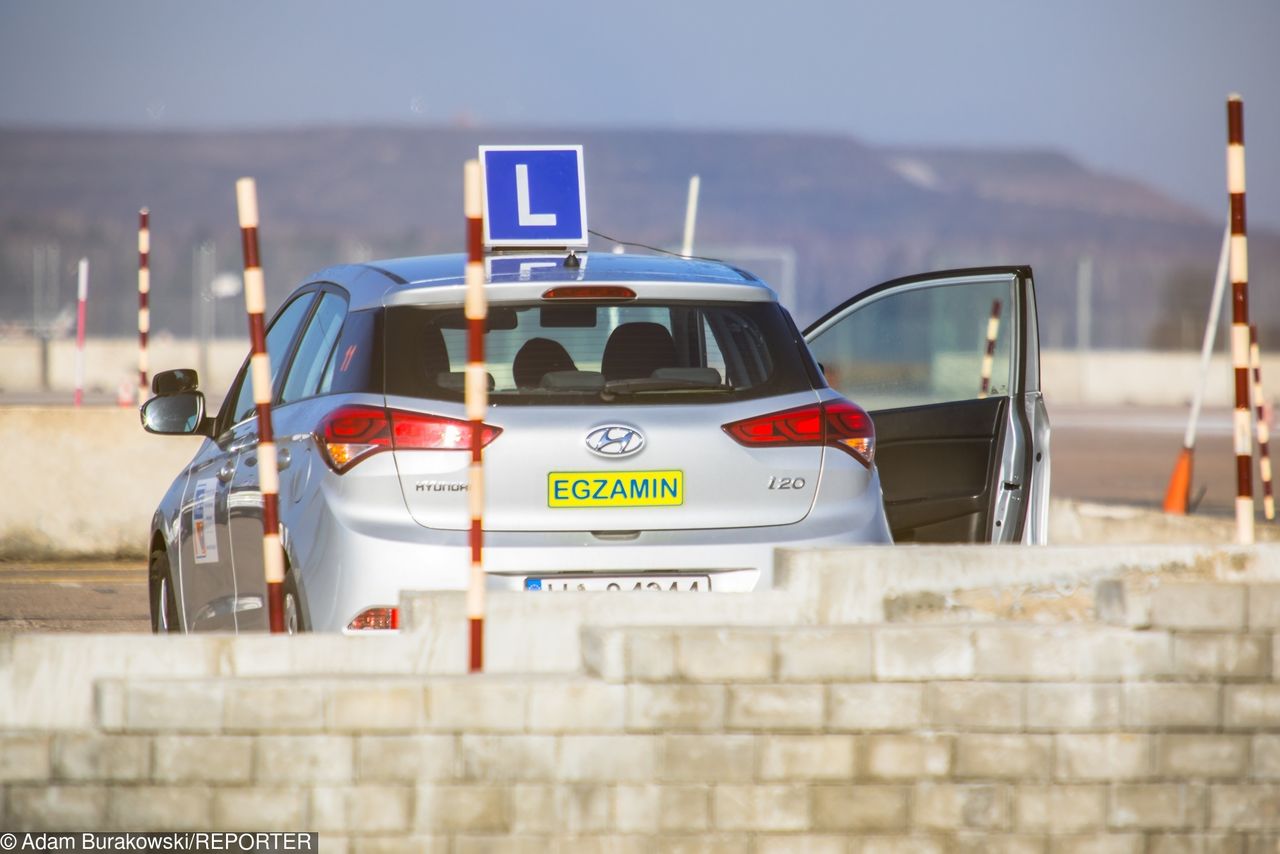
<point x="572" y="261"/>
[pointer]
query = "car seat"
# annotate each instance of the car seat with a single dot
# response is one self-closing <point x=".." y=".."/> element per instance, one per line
<point x="636" y="350"/>
<point x="538" y="357"/>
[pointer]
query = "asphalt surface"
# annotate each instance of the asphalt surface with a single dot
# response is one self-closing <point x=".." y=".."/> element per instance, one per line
<point x="1125" y="455"/>
<point x="77" y="597"/>
<point x="1116" y="454"/>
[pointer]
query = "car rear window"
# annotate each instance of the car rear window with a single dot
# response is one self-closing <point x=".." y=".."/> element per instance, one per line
<point x="589" y="353"/>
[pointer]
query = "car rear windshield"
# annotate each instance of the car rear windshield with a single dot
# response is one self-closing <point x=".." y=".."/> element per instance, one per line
<point x="592" y="353"/>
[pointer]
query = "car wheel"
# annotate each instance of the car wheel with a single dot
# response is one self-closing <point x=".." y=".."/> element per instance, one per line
<point x="294" y="622"/>
<point x="164" y="605"/>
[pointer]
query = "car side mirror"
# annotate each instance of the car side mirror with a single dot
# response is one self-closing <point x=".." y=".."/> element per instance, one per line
<point x="180" y="414"/>
<point x="175" y="382"/>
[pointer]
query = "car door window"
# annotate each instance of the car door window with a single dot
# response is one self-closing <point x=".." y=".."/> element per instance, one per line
<point x="923" y="345"/>
<point x="355" y="364"/>
<point x="279" y="337"/>
<point x="313" y="348"/>
<point x="715" y="358"/>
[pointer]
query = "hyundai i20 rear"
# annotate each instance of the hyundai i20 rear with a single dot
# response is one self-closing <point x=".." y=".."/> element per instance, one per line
<point x="654" y="423"/>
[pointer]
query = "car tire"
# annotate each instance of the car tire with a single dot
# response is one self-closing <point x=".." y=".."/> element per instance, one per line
<point x="164" y="605"/>
<point x="295" y="621"/>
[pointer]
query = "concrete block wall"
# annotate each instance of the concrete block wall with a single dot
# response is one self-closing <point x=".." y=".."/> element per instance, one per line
<point x="109" y="361"/>
<point x="543" y="633"/>
<point x="91" y="490"/>
<point x="850" y="738"/>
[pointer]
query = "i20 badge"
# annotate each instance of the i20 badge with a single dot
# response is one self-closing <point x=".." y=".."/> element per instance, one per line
<point x="615" y="440"/>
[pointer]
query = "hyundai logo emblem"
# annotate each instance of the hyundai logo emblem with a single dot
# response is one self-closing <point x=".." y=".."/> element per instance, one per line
<point x="615" y="440"/>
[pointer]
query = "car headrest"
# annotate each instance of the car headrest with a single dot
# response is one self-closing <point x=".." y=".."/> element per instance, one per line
<point x="636" y="350"/>
<point x="538" y="357"/>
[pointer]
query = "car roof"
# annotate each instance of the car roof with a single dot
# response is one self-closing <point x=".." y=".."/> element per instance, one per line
<point x="440" y="278"/>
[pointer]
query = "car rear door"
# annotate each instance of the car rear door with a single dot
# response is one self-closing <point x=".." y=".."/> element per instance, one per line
<point x="244" y="495"/>
<point x="203" y="577"/>
<point x="948" y="365"/>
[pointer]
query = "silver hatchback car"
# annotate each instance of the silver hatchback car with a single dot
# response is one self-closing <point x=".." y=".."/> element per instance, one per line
<point x="654" y="423"/>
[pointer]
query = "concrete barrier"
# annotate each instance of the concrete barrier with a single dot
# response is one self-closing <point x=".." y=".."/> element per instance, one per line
<point x="861" y="585"/>
<point x="1136" y="378"/>
<point x="1086" y="523"/>
<point x="82" y="483"/>
<point x="110" y="360"/>
<point x="959" y="737"/>
<point x="543" y="633"/>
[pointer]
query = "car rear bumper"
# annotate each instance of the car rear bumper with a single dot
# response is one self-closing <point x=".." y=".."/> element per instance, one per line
<point x="365" y="568"/>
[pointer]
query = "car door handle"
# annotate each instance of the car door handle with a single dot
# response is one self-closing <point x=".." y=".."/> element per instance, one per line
<point x="282" y="459"/>
<point x="227" y="472"/>
<point x="248" y="442"/>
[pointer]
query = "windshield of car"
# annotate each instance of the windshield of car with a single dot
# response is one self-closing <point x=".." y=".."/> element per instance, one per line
<point x="589" y="353"/>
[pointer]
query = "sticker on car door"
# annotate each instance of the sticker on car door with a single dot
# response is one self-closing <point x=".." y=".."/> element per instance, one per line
<point x="204" y="527"/>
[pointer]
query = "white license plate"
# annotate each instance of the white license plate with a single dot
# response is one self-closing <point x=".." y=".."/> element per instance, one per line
<point x="681" y="583"/>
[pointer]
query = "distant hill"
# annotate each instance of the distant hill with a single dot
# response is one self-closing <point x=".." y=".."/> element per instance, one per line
<point x="854" y="214"/>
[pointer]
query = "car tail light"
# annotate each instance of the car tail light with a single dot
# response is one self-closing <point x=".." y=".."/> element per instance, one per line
<point x="384" y="619"/>
<point x="837" y="423"/>
<point x="596" y="292"/>
<point x="351" y="433"/>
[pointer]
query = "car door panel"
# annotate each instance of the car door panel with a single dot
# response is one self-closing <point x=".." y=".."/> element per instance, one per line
<point x="293" y="449"/>
<point x="936" y="463"/>
<point x="244" y="513"/>
<point x="962" y="440"/>
<point x="244" y="498"/>
<point x="1036" y="529"/>
<point x="203" y="582"/>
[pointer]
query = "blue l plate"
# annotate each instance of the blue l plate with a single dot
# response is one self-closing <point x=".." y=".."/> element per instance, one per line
<point x="534" y="196"/>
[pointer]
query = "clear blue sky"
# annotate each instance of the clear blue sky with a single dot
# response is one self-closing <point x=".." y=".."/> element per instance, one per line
<point x="1131" y="86"/>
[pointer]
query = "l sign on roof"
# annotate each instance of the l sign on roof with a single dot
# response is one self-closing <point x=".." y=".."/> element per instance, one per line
<point x="534" y="196"/>
<point x="526" y="268"/>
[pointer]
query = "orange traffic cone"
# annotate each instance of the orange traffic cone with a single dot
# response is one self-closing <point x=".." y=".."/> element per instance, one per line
<point x="1179" y="492"/>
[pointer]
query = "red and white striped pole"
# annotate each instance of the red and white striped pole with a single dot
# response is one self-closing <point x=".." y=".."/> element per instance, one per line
<point x="255" y="303"/>
<point x="1239" y="261"/>
<point x="144" y="298"/>
<point x="1260" y="419"/>
<point x="989" y="357"/>
<point x="82" y="296"/>
<point x="477" y="403"/>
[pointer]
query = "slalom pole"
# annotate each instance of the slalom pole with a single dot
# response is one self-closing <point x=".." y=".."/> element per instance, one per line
<point x="82" y="296"/>
<point x="1239" y="263"/>
<point x="255" y="303"/>
<point x="690" y="215"/>
<point x="144" y="299"/>
<point x="1260" y="421"/>
<point x="989" y="355"/>
<point x="1178" y="495"/>
<point x="477" y="402"/>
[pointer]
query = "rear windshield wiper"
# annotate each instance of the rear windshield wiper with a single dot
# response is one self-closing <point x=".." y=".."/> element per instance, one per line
<point x="639" y="385"/>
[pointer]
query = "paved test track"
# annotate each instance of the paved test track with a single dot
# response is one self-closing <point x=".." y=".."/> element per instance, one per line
<point x="75" y="597"/>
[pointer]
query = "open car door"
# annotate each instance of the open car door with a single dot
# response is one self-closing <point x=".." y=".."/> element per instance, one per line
<point x="962" y="433"/>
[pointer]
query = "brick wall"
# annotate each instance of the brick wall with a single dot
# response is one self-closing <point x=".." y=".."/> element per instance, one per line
<point x="1014" y="737"/>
